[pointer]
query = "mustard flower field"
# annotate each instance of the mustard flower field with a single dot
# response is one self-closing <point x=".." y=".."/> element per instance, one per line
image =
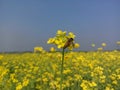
<point x="95" y="70"/>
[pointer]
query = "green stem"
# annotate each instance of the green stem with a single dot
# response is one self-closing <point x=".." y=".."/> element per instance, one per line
<point x="62" y="70"/>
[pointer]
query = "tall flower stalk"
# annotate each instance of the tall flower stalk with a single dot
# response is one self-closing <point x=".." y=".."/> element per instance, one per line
<point x="67" y="44"/>
<point x="62" y="40"/>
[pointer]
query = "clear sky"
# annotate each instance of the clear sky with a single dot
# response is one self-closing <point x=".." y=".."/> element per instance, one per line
<point x="25" y="24"/>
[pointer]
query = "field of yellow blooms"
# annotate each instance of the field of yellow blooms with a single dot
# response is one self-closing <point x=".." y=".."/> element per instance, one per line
<point x="98" y="70"/>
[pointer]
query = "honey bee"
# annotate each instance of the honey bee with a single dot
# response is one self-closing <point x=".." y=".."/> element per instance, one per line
<point x="68" y="43"/>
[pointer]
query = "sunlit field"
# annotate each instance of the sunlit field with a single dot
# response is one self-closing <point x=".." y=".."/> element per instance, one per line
<point x="63" y="70"/>
<point x="97" y="70"/>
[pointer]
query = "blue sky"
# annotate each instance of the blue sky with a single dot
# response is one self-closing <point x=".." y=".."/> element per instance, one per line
<point x="25" y="24"/>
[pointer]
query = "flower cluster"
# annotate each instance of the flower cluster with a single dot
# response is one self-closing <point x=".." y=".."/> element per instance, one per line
<point x="61" y="38"/>
<point x="39" y="49"/>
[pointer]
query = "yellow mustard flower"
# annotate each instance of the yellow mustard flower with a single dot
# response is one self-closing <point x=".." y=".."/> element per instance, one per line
<point x="103" y="44"/>
<point x="118" y="42"/>
<point x="1" y="57"/>
<point x="19" y="86"/>
<point x="76" y="45"/>
<point x="71" y="35"/>
<point x="39" y="49"/>
<point x="52" y="49"/>
<point x="25" y="82"/>
<point x="62" y="40"/>
<point x="100" y="49"/>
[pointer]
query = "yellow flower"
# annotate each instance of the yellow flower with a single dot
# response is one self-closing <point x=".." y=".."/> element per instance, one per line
<point x="51" y="40"/>
<point x="25" y="82"/>
<point x="113" y="76"/>
<point x="92" y="84"/>
<point x="59" y="46"/>
<point x="118" y="42"/>
<point x="100" y="49"/>
<point x="54" y="85"/>
<point x="19" y="86"/>
<point x="103" y="44"/>
<point x="88" y="85"/>
<point x="1" y="57"/>
<point x="12" y="77"/>
<point x="77" y="77"/>
<point x="71" y="35"/>
<point x="115" y="82"/>
<point x="93" y="45"/>
<point x="118" y="77"/>
<point x="76" y="45"/>
<point x="109" y="87"/>
<point x="38" y="49"/>
<point x="52" y="49"/>
<point x="61" y="39"/>
<point x="102" y="78"/>
<point x="58" y="79"/>
<point x="67" y="71"/>
<point x="45" y="79"/>
<point x="59" y="32"/>
<point x="3" y="72"/>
